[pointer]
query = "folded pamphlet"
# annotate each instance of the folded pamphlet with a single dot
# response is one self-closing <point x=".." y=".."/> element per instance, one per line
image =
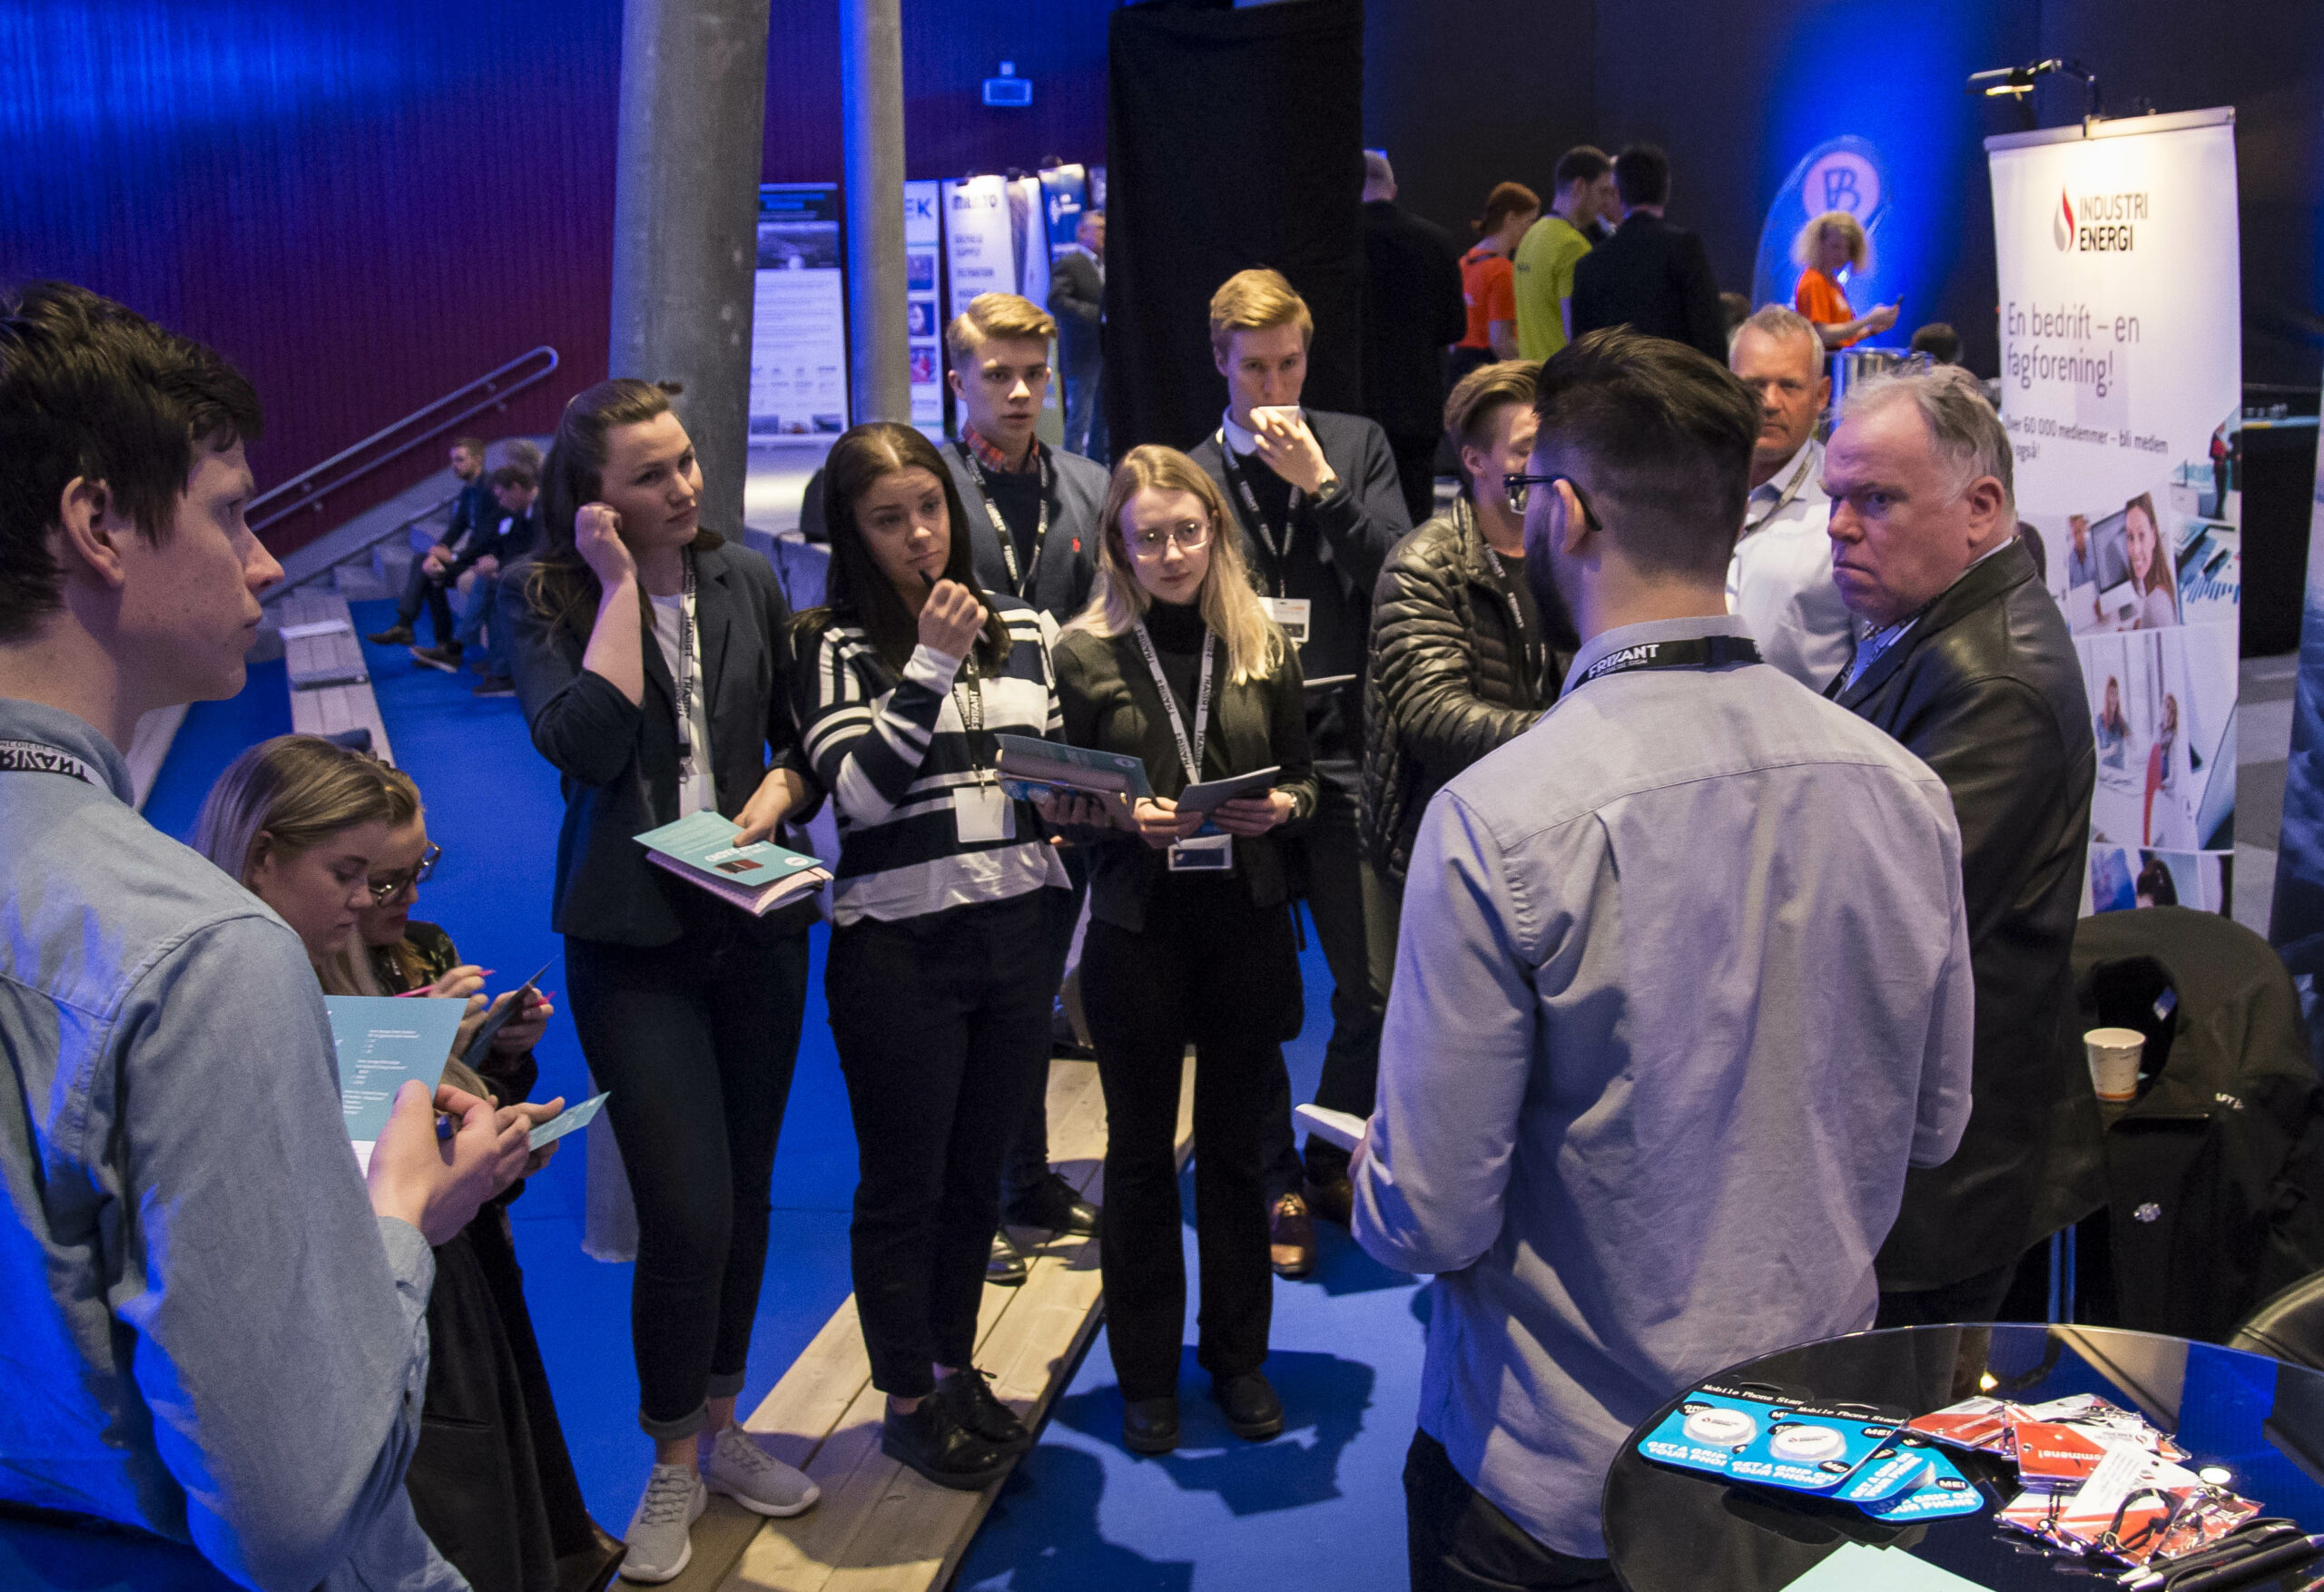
<point x="382" y="1043"/>
<point x="1030" y="761"/>
<point x="758" y="878"/>
<point x="1206" y="796"/>
<point x="570" y="1120"/>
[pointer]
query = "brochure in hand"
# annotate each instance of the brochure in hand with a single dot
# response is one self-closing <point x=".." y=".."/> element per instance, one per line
<point x="572" y="1119"/>
<point x="1206" y="796"/>
<point x="381" y="1043"/>
<point x="1027" y="760"/>
<point x="758" y="878"/>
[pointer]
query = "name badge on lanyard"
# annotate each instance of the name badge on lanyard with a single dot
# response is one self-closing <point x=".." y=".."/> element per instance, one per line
<point x="1294" y="614"/>
<point x="1208" y="853"/>
<point x="982" y="811"/>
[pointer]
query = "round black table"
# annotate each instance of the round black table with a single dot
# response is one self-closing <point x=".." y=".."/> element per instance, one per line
<point x="2260" y="1419"/>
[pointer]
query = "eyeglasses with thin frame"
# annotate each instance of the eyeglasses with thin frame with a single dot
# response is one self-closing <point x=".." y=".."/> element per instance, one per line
<point x="1146" y="545"/>
<point x="387" y="889"/>
<point x="1519" y="490"/>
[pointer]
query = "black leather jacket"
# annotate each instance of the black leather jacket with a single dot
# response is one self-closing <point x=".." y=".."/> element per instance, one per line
<point x="1986" y="689"/>
<point x="1445" y="681"/>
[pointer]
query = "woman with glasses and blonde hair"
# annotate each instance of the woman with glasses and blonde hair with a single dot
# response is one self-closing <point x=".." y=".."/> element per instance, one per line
<point x="337" y="843"/>
<point x="1827" y="246"/>
<point x="1175" y="663"/>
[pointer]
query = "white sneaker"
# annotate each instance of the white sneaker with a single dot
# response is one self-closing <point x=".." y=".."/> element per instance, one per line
<point x="754" y="1479"/>
<point x="660" y="1539"/>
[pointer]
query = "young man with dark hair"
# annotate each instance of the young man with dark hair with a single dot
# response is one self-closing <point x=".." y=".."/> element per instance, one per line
<point x="1626" y="1115"/>
<point x="230" y="1350"/>
<point x="1555" y="244"/>
<point x="1318" y="501"/>
<point x="426" y="585"/>
<point x="1650" y="276"/>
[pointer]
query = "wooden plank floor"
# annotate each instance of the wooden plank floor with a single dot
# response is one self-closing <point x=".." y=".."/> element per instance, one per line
<point x="330" y="690"/>
<point x="877" y="1525"/>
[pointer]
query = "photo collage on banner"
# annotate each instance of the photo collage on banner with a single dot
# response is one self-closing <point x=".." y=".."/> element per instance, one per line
<point x="923" y="313"/>
<point x="799" y="314"/>
<point x="2121" y="391"/>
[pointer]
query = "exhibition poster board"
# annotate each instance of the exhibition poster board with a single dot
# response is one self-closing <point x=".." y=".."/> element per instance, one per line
<point x="799" y="314"/>
<point x="2123" y="390"/>
<point x="979" y="240"/>
<point x="923" y="312"/>
<point x="2296" y="924"/>
<point x="1063" y="199"/>
<point x="1028" y="227"/>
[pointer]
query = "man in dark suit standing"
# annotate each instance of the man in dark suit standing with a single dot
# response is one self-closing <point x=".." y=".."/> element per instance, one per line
<point x="1316" y="497"/>
<point x="1077" y="300"/>
<point x="1412" y="312"/>
<point x="1650" y="276"/>
<point x="1966" y="660"/>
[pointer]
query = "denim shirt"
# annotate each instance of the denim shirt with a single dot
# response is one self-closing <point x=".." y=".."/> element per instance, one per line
<point x="1683" y="987"/>
<point x="209" y="1334"/>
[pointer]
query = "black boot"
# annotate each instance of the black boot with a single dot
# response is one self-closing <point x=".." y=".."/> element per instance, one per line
<point x="929" y="1441"/>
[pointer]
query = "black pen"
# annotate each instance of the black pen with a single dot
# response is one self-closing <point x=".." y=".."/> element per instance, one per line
<point x="928" y="580"/>
<point x="2260" y="1566"/>
<point x="2233" y="1548"/>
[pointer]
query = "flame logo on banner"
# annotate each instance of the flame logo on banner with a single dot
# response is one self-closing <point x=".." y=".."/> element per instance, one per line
<point x="2061" y="225"/>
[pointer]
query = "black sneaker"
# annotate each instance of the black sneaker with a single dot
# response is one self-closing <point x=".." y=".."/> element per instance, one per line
<point x="494" y="685"/>
<point x="446" y="657"/>
<point x="1006" y="1268"/>
<point x="1051" y="1204"/>
<point x="968" y="1394"/>
<point x="395" y="635"/>
<point x="1251" y="1409"/>
<point x="929" y="1441"/>
<point x="1150" y="1426"/>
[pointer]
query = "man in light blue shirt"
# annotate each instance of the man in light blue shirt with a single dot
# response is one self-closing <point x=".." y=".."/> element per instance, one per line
<point x="1682" y="987"/>
<point x="216" y="1333"/>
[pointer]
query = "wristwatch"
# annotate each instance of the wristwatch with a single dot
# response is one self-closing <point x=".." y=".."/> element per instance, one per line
<point x="1328" y="485"/>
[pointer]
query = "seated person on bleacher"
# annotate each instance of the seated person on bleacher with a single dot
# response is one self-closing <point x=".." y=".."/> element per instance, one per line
<point x="336" y="843"/>
<point x="214" y="1333"/>
<point x="425" y="585"/>
<point x="508" y="538"/>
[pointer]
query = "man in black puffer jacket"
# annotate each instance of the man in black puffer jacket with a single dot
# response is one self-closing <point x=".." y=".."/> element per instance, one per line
<point x="1461" y="658"/>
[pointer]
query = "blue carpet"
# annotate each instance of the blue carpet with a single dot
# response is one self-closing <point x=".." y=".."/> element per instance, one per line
<point x="1080" y="1512"/>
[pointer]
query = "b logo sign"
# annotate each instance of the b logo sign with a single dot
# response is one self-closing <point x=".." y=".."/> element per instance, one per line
<point x="1842" y="180"/>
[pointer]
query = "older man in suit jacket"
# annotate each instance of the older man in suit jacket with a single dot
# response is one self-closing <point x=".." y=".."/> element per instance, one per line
<point x="1967" y="662"/>
<point x="1077" y="300"/>
<point x="1650" y="276"/>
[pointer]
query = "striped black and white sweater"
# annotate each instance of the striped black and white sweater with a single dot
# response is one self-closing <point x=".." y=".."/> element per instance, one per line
<point x="892" y="750"/>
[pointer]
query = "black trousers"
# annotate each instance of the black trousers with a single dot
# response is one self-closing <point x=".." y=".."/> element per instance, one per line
<point x="1459" y="1540"/>
<point x="942" y="1025"/>
<point x="697" y="1041"/>
<point x="1336" y="906"/>
<point x="1028" y="1162"/>
<point x="1416" y="471"/>
<point x="1973" y="1299"/>
<point x="1213" y="969"/>
<point x="421" y="588"/>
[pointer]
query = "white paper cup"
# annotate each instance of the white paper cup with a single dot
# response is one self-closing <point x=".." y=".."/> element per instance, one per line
<point x="2114" y="1056"/>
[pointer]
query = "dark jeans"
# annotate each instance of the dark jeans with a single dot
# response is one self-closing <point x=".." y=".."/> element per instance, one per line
<point x="1029" y="1152"/>
<point x="1336" y="907"/>
<point x="1416" y="473"/>
<point x="1973" y="1299"/>
<point x="1460" y="1541"/>
<point x="696" y="1040"/>
<point x="483" y="622"/>
<point x="942" y="1025"/>
<point x="1213" y="969"/>
<point x="1084" y="415"/>
<point x="421" y="588"/>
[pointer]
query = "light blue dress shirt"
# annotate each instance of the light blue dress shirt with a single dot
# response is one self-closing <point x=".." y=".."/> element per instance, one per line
<point x="209" y="1334"/>
<point x="1682" y="985"/>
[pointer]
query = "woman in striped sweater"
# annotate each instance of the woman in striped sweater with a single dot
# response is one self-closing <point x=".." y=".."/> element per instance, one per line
<point x="938" y="980"/>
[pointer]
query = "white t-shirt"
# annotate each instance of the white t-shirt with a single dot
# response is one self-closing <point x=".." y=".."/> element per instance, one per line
<point x="697" y="791"/>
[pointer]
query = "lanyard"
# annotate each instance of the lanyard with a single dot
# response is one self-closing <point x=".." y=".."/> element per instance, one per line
<point x="686" y="662"/>
<point x="34" y="757"/>
<point x="1255" y="521"/>
<point x="1791" y="490"/>
<point x="1708" y="652"/>
<point x="1189" y="747"/>
<point x="1529" y="645"/>
<point x="1017" y="583"/>
<point x="971" y="709"/>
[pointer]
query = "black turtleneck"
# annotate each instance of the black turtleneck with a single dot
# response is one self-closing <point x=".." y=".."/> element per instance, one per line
<point x="1178" y="630"/>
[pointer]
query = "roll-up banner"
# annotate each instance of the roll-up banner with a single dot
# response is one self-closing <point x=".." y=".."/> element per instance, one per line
<point x="2122" y="387"/>
<point x="979" y="240"/>
<point x="1064" y="191"/>
<point x="924" y="306"/>
<point x="798" y="314"/>
<point x="2296" y="924"/>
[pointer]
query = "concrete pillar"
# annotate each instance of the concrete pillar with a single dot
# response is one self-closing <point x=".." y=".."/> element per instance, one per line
<point x="685" y="221"/>
<point x="871" y="93"/>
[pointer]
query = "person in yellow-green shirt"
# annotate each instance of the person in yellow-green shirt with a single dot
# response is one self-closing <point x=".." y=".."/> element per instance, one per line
<point x="1552" y="246"/>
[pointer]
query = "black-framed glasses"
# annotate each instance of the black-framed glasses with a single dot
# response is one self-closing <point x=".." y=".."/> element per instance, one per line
<point x="1520" y="489"/>
<point x="1147" y="543"/>
<point x="387" y="889"/>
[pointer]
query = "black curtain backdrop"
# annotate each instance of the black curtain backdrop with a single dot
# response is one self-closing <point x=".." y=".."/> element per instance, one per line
<point x="1233" y="138"/>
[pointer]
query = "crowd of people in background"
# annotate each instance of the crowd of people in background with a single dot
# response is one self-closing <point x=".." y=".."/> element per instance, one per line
<point x="1614" y="744"/>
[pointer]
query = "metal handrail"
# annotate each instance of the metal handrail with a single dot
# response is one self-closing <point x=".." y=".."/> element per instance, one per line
<point x="331" y="570"/>
<point x="307" y="490"/>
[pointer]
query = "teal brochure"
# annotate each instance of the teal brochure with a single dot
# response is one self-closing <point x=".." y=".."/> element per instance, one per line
<point x="572" y="1119"/>
<point x="703" y="843"/>
<point x="1029" y="760"/>
<point x="382" y="1044"/>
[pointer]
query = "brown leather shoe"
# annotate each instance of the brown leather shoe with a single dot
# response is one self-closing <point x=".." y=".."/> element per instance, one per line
<point x="1333" y="1201"/>
<point x="1291" y="1237"/>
